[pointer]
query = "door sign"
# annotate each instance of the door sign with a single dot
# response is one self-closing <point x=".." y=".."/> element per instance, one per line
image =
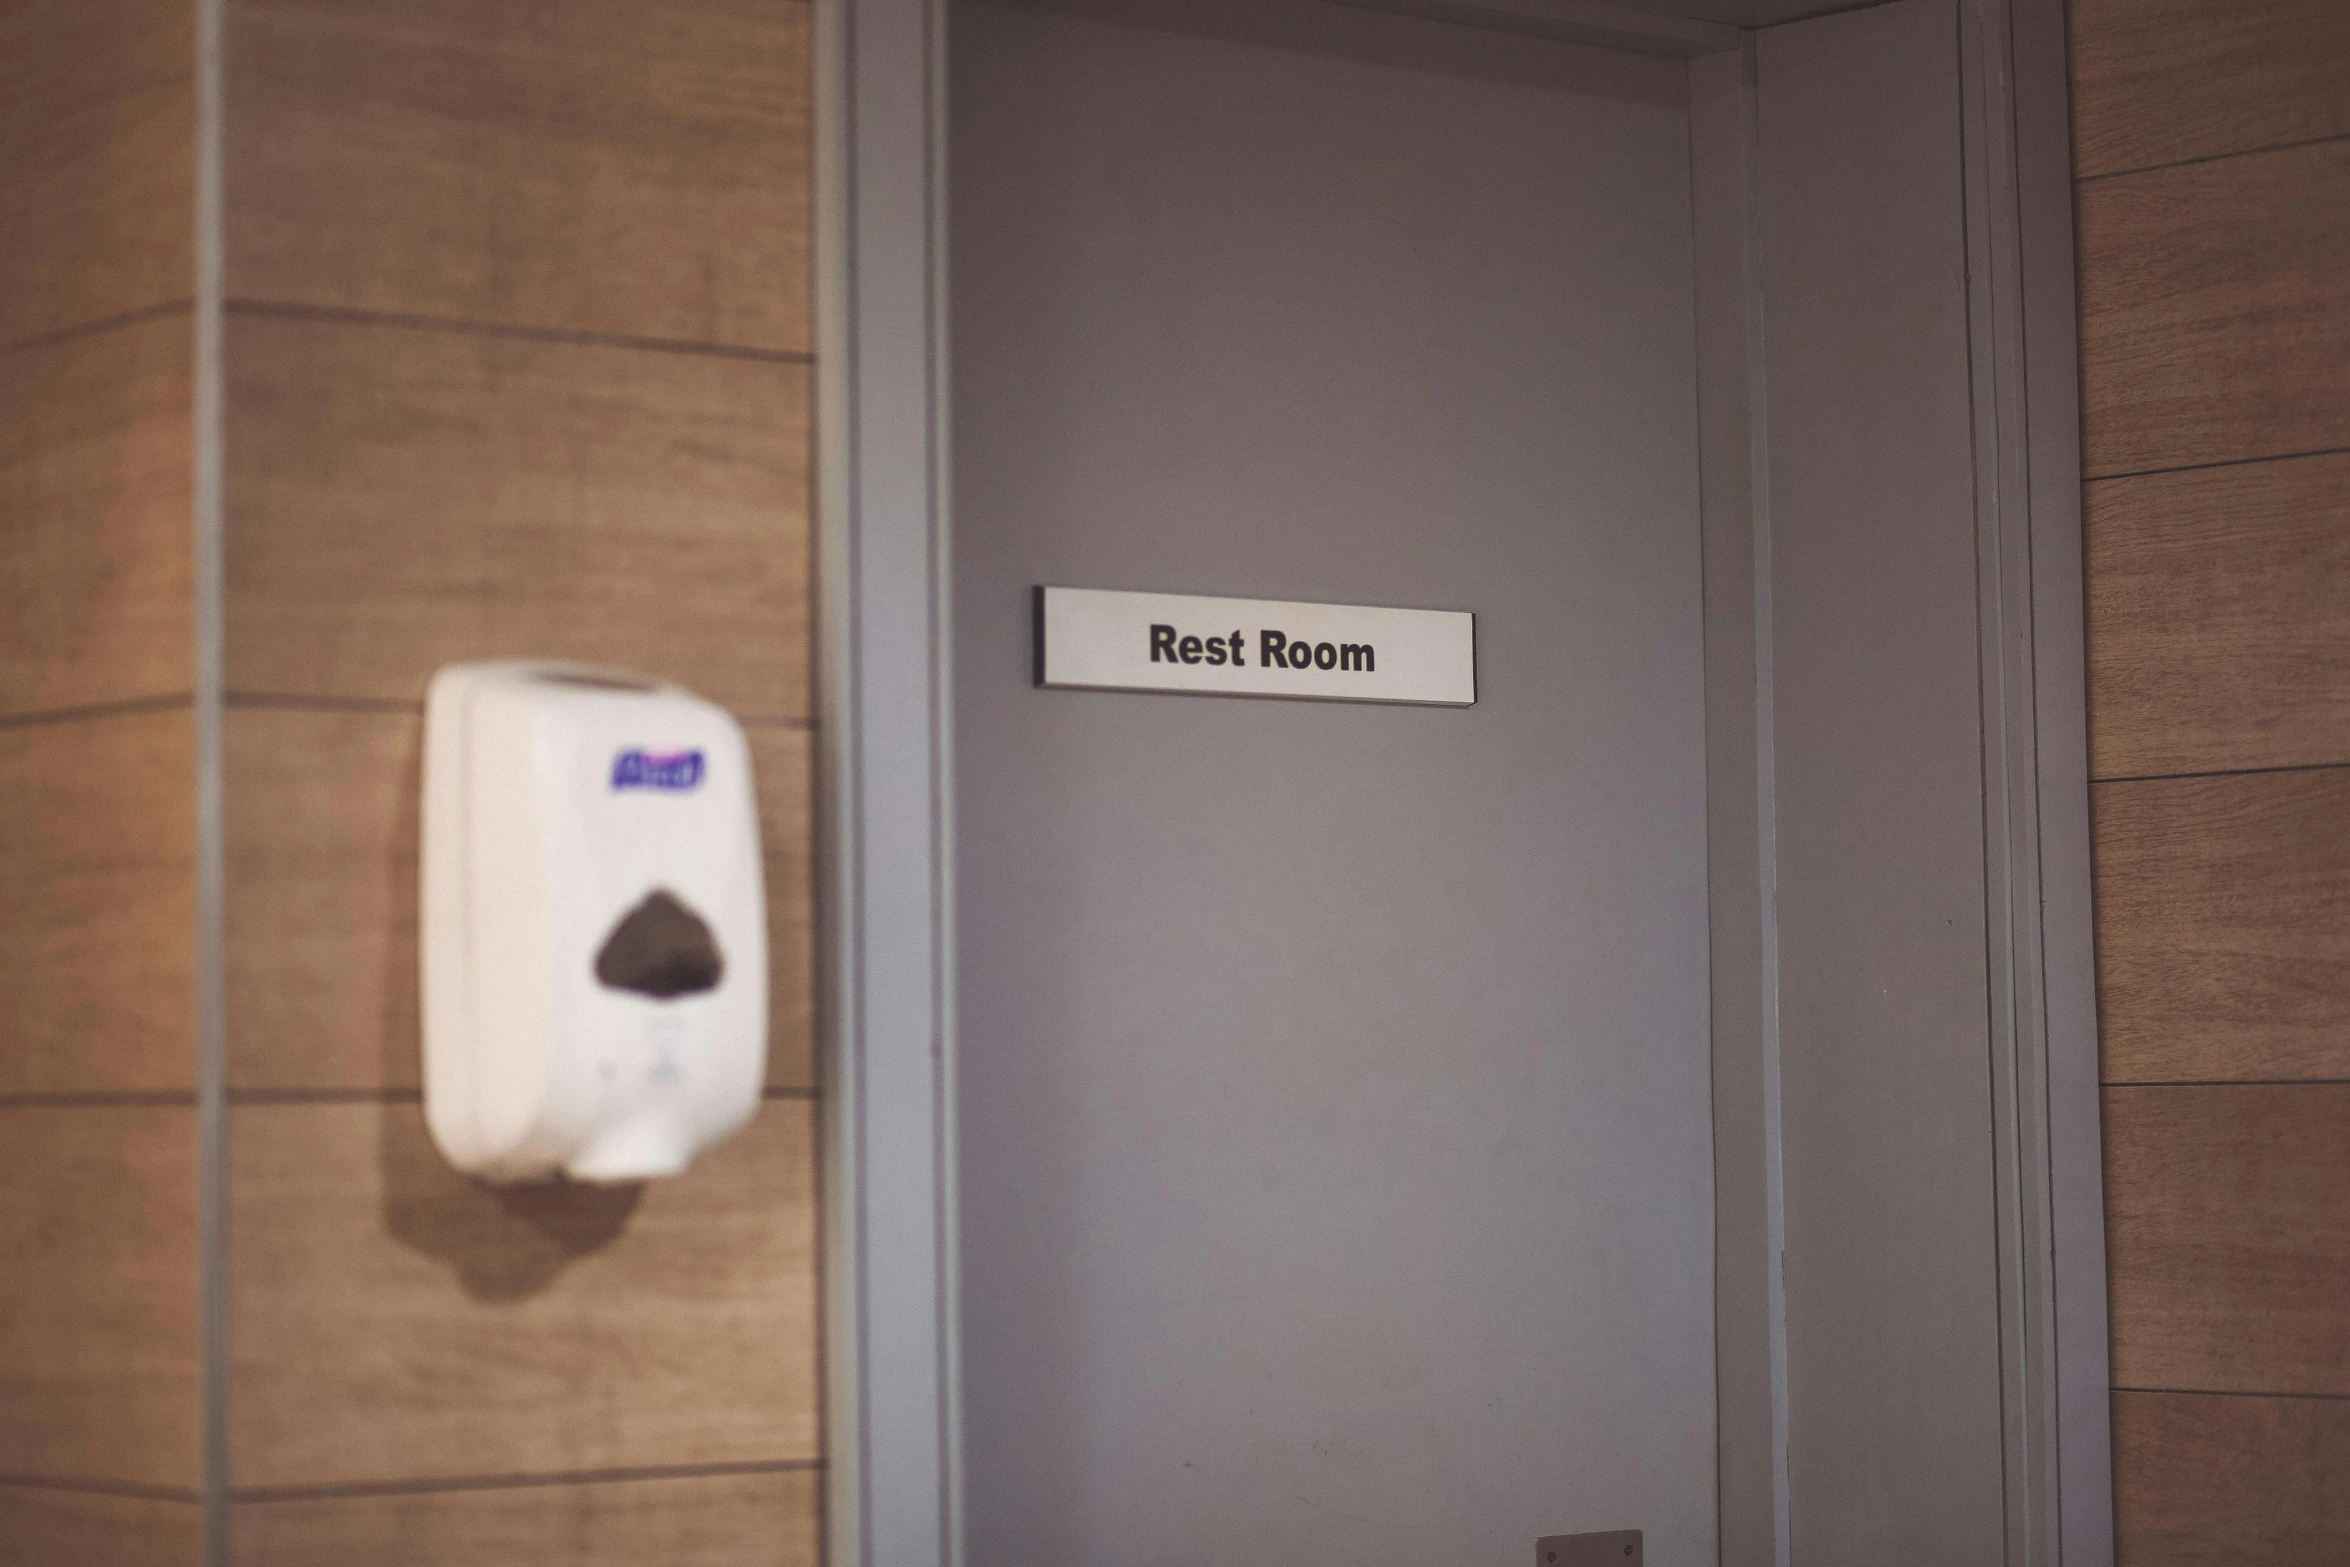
<point x="1087" y="638"/>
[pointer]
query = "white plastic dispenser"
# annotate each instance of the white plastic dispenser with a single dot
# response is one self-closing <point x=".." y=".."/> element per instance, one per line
<point x="594" y="941"/>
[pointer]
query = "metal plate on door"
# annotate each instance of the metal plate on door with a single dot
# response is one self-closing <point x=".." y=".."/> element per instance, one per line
<point x="1615" y="1548"/>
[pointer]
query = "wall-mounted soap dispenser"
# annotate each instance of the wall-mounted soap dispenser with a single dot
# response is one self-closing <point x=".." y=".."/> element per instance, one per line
<point x="594" y="941"/>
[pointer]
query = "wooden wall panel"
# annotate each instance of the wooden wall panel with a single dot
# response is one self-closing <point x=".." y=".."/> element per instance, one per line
<point x="2212" y="138"/>
<point x="784" y="760"/>
<point x="395" y="1321"/>
<point x="97" y="454"/>
<point x="734" y="1520"/>
<point x="2223" y="927"/>
<point x="2162" y="81"/>
<point x="42" y="1527"/>
<point x="2215" y="310"/>
<point x="516" y="367"/>
<point x="99" y="1328"/>
<point x="2219" y="617"/>
<point x="99" y="1338"/>
<point x="97" y="859"/>
<point x="2229" y="1237"/>
<point x="602" y="165"/>
<point x="97" y="160"/>
<point x="322" y="890"/>
<point x="2230" y="1482"/>
<point x="322" y="898"/>
<point x="400" y="498"/>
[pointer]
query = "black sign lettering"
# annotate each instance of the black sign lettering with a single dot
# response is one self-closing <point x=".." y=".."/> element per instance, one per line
<point x="1275" y="650"/>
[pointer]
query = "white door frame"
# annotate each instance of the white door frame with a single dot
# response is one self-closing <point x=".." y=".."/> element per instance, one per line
<point x="885" y="780"/>
<point x="2041" y="1008"/>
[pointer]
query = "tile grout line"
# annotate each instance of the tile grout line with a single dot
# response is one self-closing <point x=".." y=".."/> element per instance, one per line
<point x="210" y="457"/>
<point x="2088" y="480"/>
<point x="246" y="1098"/>
<point x="2223" y="772"/>
<point x="145" y="1493"/>
<point x="331" y="1491"/>
<point x="100" y="1099"/>
<point x="129" y="706"/>
<point x="2210" y="157"/>
<point x="97" y="326"/>
<point x="388" y="1094"/>
<point x="2229" y="1392"/>
<point x="2226" y="1082"/>
<point x="307" y="702"/>
<point x="322" y="702"/>
<point x="464" y="326"/>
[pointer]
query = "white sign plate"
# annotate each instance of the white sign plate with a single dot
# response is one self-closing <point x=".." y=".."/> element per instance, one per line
<point x="1105" y="641"/>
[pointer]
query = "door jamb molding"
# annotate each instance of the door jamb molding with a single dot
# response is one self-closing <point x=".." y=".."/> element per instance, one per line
<point x="884" y="783"/>
<point x="884" y="773"/>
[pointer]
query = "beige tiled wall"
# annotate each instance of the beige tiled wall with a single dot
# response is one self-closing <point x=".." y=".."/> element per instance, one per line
<point x="2212" y="155"/>
<point x="97" y="161"/>
<point x="516" y="362"/>
<point x="100" y="1328"/>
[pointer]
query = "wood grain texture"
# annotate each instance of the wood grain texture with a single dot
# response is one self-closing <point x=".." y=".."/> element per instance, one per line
<point x="2219" y="618"/>
<point x="99" y="1339"/>
<point x="2228" y="1482"/>
<point x="2223" y="927"/>
<point x="2162" y="81"/>
<point x="2215" y="310"/>
<point x="785" y="765"/>
<point x="42" y="1527"/>
<point x="97" y="160"/>
<point x="756" y="1520"/>
<point x="599" y="166"/>
<point x="401" y="498"/>
<point x="322" y="898"/>
<point x="393" y="1321"/>
<point x="2228" y="1237"/>
<point x="97" y="452"/>
<point x="97" y="856"/>
<point x="321" y="811"/>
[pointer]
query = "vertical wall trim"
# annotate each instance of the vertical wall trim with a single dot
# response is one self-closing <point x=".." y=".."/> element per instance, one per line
<point x="2040" y="1384"/>
<point x="885" y="846"/>
<point x="2067" y="961"/>
<point x="2010" y="907"/>
<point x="1750" y="1336"/>
<point x="835" y="790"/>
<point x="2036" y="779"/>
<point x="211" y="849"/>
<point x="935" y="74"/>
<point x="1758" y="434"/>
<point x="834" y="785"/>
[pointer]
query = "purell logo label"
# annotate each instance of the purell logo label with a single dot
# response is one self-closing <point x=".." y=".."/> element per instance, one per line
<point x="675" y="771"/>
